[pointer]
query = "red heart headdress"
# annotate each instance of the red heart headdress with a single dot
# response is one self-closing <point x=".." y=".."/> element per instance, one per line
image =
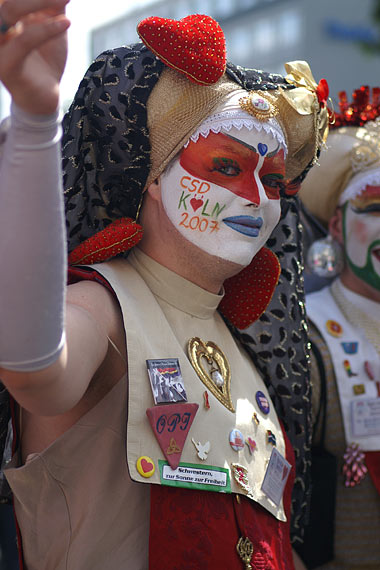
<point x="194" y="46"/>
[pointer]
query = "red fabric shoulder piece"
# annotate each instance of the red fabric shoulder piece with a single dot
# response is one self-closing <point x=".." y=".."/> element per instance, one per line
<point x="248" y="293"/>
<point x="76" y="274"/>
<point x="372" y="461"/>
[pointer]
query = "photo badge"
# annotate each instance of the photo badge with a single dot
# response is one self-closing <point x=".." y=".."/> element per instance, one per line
<point x="166" y="381"/>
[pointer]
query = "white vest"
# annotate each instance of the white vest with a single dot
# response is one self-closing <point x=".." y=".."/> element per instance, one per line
<point x="351" y="354"/>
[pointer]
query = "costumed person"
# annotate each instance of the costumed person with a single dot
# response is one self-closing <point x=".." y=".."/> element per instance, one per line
<point x="343" y="193"/>
<point x="145" y="435"/>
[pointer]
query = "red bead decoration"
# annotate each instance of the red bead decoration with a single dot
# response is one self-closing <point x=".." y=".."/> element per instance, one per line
<point x="116" y="238"/>
<point x="248" y="293"/>
<point x="322" y="92"/>
<point x="360" y="110"/>
<point x="194" y="46"/>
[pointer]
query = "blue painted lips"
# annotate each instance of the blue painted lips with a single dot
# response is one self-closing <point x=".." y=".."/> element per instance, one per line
<point x="246" y="225"/>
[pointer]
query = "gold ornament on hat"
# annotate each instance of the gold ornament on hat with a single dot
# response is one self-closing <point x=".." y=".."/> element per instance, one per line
<point x="218" y="378"/>
<point x="258" y="106"/>
<point x="309" y="98"/>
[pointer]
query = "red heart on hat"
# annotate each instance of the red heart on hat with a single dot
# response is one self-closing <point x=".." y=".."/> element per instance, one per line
<point x="194" y="45"/>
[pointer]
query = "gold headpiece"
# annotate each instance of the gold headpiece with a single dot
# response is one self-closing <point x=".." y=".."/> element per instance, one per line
<point x="366" y="152"/>
<point x="310" y="97"/>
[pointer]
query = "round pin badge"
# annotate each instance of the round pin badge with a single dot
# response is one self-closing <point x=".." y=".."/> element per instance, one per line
<point x="334" y="328"/>
<point x="145" y="466"/>
<point x="236" y="440"/>
<point x="262" y="402"/>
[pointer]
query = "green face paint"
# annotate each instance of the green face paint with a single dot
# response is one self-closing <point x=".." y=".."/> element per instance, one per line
<point x="361" y="235"/>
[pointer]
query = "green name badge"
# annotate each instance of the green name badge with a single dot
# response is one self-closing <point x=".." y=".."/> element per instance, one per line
<point x="194" y="476"/>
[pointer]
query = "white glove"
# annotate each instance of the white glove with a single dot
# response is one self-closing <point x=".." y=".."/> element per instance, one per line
<point x="32" y="243"/>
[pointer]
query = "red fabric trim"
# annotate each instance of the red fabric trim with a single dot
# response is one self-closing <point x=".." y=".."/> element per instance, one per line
<point x="372" y="461"/>
<point x="198" y="530"/>
<point x="76" y="274"/>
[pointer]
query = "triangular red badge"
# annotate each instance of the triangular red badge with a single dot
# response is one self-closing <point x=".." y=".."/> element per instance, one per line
<point x="171" y="424"/>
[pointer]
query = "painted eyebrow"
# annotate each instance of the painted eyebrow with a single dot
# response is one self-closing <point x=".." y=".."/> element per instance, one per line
<point x="269" y="155"/>
<point x="374" y="207"/>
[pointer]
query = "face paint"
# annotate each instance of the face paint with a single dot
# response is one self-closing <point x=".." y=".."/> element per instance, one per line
<point x="223" y="193"/>
<point x="361" y="226"/>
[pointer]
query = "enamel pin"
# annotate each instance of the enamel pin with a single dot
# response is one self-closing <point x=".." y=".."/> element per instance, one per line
<point x="348" y="369"/>
<point x="202" y="450"/>
<point x="251" y="444"/>
<point x="240" y="474"/>
<point x="334" y="328"/>
<point x="350" y="347"/>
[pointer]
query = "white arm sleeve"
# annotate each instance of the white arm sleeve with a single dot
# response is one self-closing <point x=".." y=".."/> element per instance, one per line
<point x="32" y="243"/>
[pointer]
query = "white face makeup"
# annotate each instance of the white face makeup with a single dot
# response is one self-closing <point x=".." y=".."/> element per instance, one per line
<point x="361" y="219"/>
<point x="223" y="193"/>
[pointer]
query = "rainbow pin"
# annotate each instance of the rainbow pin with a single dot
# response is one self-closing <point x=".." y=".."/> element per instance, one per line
<point x="348" y="369"/>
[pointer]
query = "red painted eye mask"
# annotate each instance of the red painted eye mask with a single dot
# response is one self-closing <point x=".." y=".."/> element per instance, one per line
<point x="225" y="162"/>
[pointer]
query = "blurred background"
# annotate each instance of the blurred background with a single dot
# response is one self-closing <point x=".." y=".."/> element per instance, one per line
<point x="339" y="38"/>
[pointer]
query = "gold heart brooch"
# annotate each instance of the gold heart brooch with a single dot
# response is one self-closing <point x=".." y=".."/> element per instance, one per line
<point x="218" y="378"/>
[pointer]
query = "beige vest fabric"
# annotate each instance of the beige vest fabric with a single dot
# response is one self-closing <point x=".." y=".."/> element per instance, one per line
<point x="179" y="310"/>
<point x="76" y="504"/>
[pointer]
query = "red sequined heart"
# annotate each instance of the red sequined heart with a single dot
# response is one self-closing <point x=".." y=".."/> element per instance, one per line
<point x="248" y="293"/>
<point x="194" y="45"/>
<point x="119" y="236"/>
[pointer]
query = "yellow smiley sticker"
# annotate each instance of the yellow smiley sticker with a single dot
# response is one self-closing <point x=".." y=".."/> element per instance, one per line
<point x="145" y="466"/>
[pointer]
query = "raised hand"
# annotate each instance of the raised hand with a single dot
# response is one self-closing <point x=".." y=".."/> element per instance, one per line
<point x="33" y="51"/>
